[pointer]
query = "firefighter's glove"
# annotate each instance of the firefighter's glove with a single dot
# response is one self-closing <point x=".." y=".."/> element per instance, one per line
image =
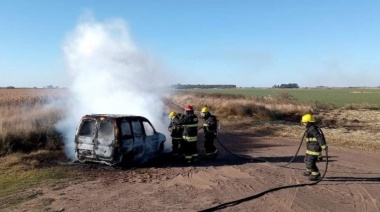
<point x="324" y="147"/>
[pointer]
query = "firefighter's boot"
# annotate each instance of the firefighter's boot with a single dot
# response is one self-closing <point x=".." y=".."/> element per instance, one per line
<point x="212" y="155"/>
<point x="307" y="173"/>
<point x="315" y="177"/>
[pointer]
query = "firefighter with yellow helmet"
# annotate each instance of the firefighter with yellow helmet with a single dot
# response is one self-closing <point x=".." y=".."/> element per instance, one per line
<point x="315" y="143"/>
<point x="176" y="132"/>
<point x="210" y="131"/>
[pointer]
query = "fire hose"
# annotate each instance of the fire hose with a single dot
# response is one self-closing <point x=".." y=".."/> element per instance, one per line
<point x="236" y="202"/>
<point x="258" y="158"/>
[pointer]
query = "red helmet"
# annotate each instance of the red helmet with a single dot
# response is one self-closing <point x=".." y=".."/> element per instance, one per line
<point x="189" y="108"/>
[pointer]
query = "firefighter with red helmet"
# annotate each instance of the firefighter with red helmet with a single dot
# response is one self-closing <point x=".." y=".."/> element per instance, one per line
<point x="210" y="131"/>
<point x="175" y="132"/>
<point x="189" y="123"/>
<point x="315" y="143"/>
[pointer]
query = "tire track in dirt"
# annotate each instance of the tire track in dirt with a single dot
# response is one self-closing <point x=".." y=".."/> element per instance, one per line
<point x="260" y="172"/>
<point x="357" y="190"/>
<point x="231" y="188"/>
<point x="259" y="182"/>
<point x="359" y="199"/>
<point x="209" y="177"/>
<point x="285" y="199"/>
<point x="373" y="200"/>
<point x="358" y="203"/>
<point x="200" y="179"/>
<point x="273" y="176"/>
<point x="363" y="198"/>
<point x="292" y="195"/>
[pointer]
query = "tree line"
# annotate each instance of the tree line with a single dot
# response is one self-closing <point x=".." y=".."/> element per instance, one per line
<point x="13" y="87"/>
<point x="289" y="85"/>
<point x="203" y="86"/>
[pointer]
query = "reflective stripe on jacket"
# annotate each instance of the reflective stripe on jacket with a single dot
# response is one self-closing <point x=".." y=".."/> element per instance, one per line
<point x="175" y="128"/>
<point x="210" y="125"/>
<point x="314" y="140"/>
<point x="190" y="127"/>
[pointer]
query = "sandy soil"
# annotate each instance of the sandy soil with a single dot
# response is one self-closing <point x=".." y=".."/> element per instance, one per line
<point x="352" y="182"/>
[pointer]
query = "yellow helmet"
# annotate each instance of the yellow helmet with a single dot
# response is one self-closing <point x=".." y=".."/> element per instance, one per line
<point x="307" y="118"/>
<point x="172" y="114"/>
<point x="205" y="109"/>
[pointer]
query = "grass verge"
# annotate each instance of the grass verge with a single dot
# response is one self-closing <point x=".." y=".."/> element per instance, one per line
<point x="22" y="174"/>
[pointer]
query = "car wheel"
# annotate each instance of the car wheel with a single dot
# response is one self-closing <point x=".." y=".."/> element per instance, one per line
<point x="127" y="161"/>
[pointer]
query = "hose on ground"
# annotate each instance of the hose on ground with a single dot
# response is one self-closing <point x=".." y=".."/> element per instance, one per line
<point x="258" y="158"/>
<point x="236" y="202"/>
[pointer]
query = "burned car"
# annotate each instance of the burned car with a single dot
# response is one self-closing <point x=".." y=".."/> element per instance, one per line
<point x="117" y="139"/>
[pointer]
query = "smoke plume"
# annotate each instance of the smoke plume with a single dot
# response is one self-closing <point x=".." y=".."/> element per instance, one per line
<point x="109" y="74"/>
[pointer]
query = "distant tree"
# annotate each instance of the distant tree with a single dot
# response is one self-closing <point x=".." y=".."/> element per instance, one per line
<point x="289" y="85"/>
<point x="10" y="87"/>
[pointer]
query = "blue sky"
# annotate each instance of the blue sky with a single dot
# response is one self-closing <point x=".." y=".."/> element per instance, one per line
<point x="245" y="43"/>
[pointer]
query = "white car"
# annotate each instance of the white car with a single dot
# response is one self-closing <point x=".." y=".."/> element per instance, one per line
<point x="117" y="139"/>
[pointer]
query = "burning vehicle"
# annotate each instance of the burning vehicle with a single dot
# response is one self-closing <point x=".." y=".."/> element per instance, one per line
<point x="117" y="139"/>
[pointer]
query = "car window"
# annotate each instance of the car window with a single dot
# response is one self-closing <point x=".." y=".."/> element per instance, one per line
<point x="106" y="129"/>
<point x="148" y="128"/>
<point x="87" y="128"/>
<point x="136" y="128"/>
<point x="125" y="128"/>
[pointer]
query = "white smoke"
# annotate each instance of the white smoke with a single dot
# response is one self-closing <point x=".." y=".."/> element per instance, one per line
<point x="111" y="75"/>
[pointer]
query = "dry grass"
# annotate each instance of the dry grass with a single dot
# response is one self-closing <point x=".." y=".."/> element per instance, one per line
<point x="230" y="106"/>
<point x="17" y="97"/>
<point x="25" y="162"/>
<point x="354" y="129"/>
<point x="27" y="123"/>
<point x="28" y="119"/>
<point x="20" y="174"/>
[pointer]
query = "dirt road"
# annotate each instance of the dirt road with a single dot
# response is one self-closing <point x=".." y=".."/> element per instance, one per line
<point x="352" y="182"/>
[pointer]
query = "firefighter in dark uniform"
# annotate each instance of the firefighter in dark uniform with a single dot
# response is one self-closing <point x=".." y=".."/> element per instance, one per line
<point x="210" y="131"/>
<point x="320" y="157"/>
<point x="315" y="143"/>
<point x="175" y="132"/>
<point x="189" y="122"/>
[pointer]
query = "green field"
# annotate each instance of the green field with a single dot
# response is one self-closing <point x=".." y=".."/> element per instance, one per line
<point x="337" y="97"/>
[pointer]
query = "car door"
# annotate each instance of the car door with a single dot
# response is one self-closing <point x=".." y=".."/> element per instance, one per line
<point x="84" y="139"/>
<point x="151" y="138"/>
<point x="138" y="145"/>
<point x="126" y="137"/>
<point x="103" y="145"/>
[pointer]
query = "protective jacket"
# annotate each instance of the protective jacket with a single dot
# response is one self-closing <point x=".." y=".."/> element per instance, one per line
<point x="190" y="127"/>
<point x="175" y="128"/>
<point x="315" y="140"/>
<point x="210" y="125"/>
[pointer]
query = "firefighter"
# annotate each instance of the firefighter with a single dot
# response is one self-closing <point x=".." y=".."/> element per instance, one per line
<point x="210" y="132"/>
<point x="315" y="143"/>
<point x="175" y="132"/>
<point x="320" y="157"/>
<point x="189" y="122"/>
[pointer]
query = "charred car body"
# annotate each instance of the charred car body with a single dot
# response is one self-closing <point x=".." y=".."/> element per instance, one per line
<point x="117" y="139"/>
